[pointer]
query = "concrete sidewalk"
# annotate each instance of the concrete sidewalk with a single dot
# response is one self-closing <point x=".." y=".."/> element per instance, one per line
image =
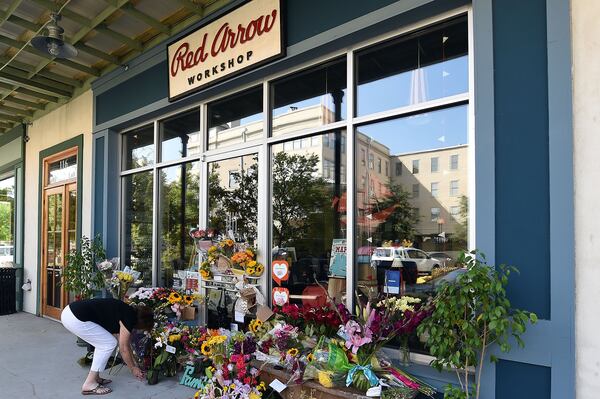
<point x="38" y="359"/>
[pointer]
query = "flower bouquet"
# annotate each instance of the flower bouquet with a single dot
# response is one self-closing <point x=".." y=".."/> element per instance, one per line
<point x="244" y="262"/>
<point x="202" y="237"/>
<point x="166" y="350"/>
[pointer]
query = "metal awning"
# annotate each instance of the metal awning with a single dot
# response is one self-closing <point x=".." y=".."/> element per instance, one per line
<point x="106" y="33"/>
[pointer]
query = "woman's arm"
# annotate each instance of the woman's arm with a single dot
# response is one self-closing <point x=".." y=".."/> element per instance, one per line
<point x="125" y="350"/>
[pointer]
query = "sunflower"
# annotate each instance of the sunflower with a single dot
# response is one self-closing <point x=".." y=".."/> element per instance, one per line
<point x="255" y="325"/>
<point x="310" y="357"/>
<point x="175" y="297"/>
<point x="252" y="263"/>
<point x="250" y="270"/>
<point x="204" y="273"/>
<point x="188" y="299"/>
<point x="206" y="349"/>
<point x="259" y="269"/>
<point x="229" y="242"/>
<point x="293" y="352"/>
<point x="262" y="386"/>
<point x="174" y="337"/>
<point x="212" y="249"/>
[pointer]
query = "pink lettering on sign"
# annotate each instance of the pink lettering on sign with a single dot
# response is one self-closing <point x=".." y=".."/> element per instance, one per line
<point x="225" y="39"/>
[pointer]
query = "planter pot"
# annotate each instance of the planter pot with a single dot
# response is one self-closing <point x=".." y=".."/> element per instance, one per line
<point x="152" y="377"/>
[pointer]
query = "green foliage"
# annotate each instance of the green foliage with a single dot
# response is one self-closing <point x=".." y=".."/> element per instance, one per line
<point x="469" y="316"/>
<point x="401" y="222"/>
<point x="5" y="221"/>
<point x="462" y="229"/>
<point x="80" y="275"/>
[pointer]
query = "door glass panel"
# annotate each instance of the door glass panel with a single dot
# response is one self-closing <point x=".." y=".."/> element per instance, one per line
<point x="54" y="255"/>
<point x="178" y="212"/>
<point x="7" y="217"/>
<point x="137" y="223"/>
<point x="65" y="169"/>
<point x="72" y="220"/>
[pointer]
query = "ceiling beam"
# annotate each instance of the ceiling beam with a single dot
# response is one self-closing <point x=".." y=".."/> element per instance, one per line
<point x="130" y="10"/>
<point x="8" y="117"/>
<point x="38" y="79"/>
<point x="34" y="85"/>
<point x="47" y="74"/>
<point x="28" y="92"/>
<point x="97" y="53"/>
<point x="52" y="6"/>
<point x="191" y="6"/>
<point x="134" y="44"/>
<point x="11" y="8"/>
<point x="30" y="104"/>
<point x="74" y="65"/>
<point x="16" y="111"/>
<point x="6" y="125"/>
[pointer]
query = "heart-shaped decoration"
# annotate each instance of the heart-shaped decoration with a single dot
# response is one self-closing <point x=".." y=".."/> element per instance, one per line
<point x="281" y="296"/>
<point x="281" y="271"/>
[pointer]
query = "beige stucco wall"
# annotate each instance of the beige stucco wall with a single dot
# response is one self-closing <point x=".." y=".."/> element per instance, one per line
<point x="586" y="114"/>
<point x="68" y="121"/>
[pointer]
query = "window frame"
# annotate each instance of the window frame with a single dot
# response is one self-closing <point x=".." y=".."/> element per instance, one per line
<point x="262" y="146"/>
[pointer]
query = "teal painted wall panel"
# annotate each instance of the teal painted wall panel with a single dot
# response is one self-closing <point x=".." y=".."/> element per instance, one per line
<point x="516" y="380"/>
<point x="99" y="186"/>
<point x="142" y="89"/>
<point x="521" y="149"/>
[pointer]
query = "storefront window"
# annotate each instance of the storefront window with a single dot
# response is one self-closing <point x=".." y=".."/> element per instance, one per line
<point x="180" y="136"/>
<point x="391" y="235"/>
<point x="233" y="197"/>
<point x="137" y="223"/>
<point x="178" y="209"/>
<point x="235" y="119"/>
<point x="138" y="148"/>
<point x="425" y="66"/>
<point x="311" y="98"/>
<point x="7" y="225"/>
<point x="308" y="219"/>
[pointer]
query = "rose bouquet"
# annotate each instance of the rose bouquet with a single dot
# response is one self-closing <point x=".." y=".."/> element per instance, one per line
<point x="313" y="320"/>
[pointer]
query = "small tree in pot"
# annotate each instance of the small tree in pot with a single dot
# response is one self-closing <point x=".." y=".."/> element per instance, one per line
<point x="470" y="315"/>
<point x="80" y="275"/>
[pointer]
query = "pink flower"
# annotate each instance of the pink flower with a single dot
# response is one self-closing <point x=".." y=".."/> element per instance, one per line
<point x="355" y="339"/>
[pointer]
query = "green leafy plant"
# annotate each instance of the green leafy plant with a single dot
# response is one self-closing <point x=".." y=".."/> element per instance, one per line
<point x="80" y="275"/>
<point x="470" y="315"/>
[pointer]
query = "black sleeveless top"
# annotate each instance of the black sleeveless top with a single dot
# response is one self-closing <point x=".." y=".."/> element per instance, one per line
<point x="106" y="312"/>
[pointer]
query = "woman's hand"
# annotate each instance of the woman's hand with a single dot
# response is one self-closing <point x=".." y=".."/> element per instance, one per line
<point x="137" y="373"/>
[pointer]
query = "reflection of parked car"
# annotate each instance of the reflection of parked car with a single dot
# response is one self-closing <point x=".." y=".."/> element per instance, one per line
<point x="6" y="255"/>
<point x="445" y="259"/>
<point x="393" y="257"/>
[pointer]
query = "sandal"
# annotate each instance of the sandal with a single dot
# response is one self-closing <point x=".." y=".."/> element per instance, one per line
<point x="99" y="390"/>
<point x="103" y="381"/>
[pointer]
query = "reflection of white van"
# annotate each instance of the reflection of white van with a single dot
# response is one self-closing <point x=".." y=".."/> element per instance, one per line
<point x="393" y="257"/>
<point x="6" y="254"/>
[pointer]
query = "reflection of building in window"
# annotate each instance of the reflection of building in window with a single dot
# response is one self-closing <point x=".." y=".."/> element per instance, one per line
<point x="415" y="166"/>
<point x="434" y="164"/>
<point x="454" y="162"/>
<point x="233" y="179"/>
<point x="363" y="157"/>
<point x="415" y="190"/>
<point x="435" y="214"/>
<point x="399" y="168"/>
<point x="371" y="161"/>
<point x="434" y="189"/>
<point x="455" y="211"/>
<point x="453" y="188"/>
<point x="387" y="168"/>
<point x="378" y="165"/>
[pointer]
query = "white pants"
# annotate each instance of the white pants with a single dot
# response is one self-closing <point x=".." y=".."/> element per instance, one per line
<point x="92" y="333"/>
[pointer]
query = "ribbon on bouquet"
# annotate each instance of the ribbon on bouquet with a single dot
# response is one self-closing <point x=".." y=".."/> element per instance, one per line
<point x="371" y="377"/>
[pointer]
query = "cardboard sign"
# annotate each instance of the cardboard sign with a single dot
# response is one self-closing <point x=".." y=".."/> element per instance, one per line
<point x="337" y="262"/>
<point x="281" y="296"/>
<point x="248" y="36"/>
<point x="188" y="379"/>
<point x="281" y="271"/>
<point x="264" y="313"/>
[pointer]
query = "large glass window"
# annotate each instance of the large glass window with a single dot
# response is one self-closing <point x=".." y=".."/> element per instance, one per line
<point x="235" y="119"/>
<point x="137" y="223"/>
<point x="180" y="136"/>
<point x="309" y="218"/>
<point x="413" y="69"/>
<point x="7" y="221"/>
<point x="179" y="194"/>
<point x="310" y="98"/>
<point x="138" y="148"/>
<point x="233" y="197"/>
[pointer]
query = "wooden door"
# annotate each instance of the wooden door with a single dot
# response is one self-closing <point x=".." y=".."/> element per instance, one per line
<point x="59" y="230"/>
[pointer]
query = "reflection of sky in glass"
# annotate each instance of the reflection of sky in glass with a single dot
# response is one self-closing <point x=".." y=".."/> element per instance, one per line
<point x="326" y="100"/>
<point x="434" y="81"/>
<point x="431" y="130"/>
<point x="9" y="186"/>
<point x="173" y="173"/>
<point x="142" y="156"/>
<point x="171" y="149"/>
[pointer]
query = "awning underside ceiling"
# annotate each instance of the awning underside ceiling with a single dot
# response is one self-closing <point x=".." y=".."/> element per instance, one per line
<point x="106" y="33"/>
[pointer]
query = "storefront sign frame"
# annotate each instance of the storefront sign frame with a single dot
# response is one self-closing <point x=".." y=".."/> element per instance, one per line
<point x="193" y="56"/>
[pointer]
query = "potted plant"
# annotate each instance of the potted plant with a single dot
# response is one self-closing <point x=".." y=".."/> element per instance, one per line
<point x="470" y="315"/>
<point x="80" y="275"/>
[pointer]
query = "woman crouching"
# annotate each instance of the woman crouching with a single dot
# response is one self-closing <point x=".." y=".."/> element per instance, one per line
<point x="95" y="321"/>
